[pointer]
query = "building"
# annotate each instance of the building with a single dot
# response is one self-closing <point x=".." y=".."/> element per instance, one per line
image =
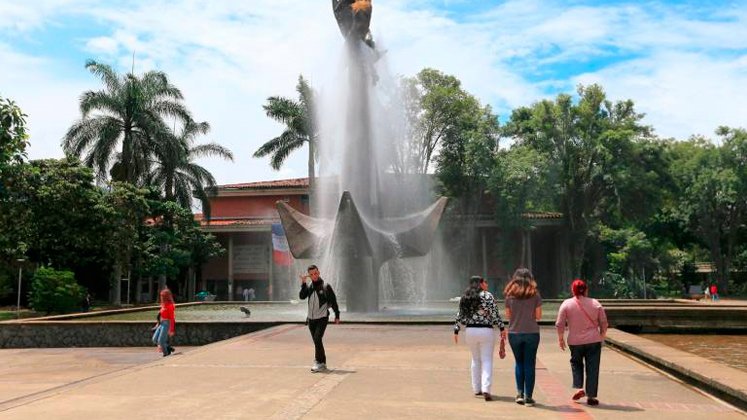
<point x="242" y="216"/>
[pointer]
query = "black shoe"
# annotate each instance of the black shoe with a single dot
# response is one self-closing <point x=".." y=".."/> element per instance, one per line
<point x="529" y="402"/>
<point x="592" y="401"/>
<point x="478" y="394"/>
<point x="172" y="350"/>
<point x="487" y="396"/>
<point x="519" y="399"/>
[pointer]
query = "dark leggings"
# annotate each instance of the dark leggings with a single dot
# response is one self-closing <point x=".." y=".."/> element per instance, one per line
<point x="588" y="356"/>
<point x="317" y="328"/>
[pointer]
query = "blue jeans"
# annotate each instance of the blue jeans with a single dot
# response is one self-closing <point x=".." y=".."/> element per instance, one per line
<point x="161" y="336"/>
<point x="524" y="346"/>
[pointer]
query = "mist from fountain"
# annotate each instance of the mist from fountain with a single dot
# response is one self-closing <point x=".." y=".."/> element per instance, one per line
<point x="362" y="121"/>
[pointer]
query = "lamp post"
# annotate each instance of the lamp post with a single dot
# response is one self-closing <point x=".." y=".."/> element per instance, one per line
<point x="20" y="275"/>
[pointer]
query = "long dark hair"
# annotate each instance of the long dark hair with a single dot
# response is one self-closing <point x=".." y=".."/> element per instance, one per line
<point x="470" y="301"/>
<point x="522" y="285"/>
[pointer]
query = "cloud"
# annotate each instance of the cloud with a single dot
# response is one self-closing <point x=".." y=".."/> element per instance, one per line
<point x="683" y="65"/>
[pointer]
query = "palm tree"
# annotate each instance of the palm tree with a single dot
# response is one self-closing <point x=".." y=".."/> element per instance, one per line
<point x="175" y="172"/>
<point x="300" y="127"/>
<point x="129" y="110"/>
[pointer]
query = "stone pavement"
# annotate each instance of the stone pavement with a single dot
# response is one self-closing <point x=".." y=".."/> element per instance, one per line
<point x="380" y="371"/>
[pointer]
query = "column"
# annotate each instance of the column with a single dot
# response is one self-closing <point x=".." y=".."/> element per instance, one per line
<point x="230" y="266"/>
<point x="270" y="291"/>
<point x="529" y="250"/>
<point x="484" y="255"/>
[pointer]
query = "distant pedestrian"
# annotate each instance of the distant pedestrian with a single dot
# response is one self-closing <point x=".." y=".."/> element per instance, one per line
<point x="524" y="310"/>
<point x="246" y="294"/>
<point x="321" y="299"/>
<point x="252" y="294"/>
<point x="587" y="327"/>
<point x="707" y="292"/>
<point x="479" y="313"/>
<point x="166" y="323"/>
<point x="714" y="292"/>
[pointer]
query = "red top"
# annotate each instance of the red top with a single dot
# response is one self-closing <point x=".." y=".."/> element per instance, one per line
<point x="167" y="312"/>
<point x="714" y="289"/>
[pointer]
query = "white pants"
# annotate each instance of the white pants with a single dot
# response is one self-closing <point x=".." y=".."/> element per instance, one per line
<point x="481" y="342"/>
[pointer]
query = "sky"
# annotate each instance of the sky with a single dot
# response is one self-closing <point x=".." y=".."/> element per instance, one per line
<point x="683" y="63"/>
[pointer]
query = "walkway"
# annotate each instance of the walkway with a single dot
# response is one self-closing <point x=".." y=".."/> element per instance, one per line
<point x="379" y="372"/>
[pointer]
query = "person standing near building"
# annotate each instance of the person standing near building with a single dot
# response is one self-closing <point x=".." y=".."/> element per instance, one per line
<point x="479" y="313"/>
<point x="524" y="310"/>
<point x="714" y="292"/>
<point x="246" y="294"/>
<point x="321" y="298"/>
<point x="587" y="327"/>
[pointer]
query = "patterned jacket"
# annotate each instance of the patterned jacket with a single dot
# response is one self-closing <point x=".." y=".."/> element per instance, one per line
<point x="487" y="314"/>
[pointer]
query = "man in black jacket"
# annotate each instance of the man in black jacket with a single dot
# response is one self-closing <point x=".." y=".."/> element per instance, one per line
<point x="321" y="299"/>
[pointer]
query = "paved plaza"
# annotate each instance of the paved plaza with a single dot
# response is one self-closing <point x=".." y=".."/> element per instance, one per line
<point x="379" y="371"/>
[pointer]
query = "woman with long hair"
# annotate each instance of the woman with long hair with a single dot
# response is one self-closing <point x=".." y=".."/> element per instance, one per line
<point x="524" y="310"/>
<point x="167" y="322"/>
<point x="479" y="313"/>
<point x="587" y="326"/>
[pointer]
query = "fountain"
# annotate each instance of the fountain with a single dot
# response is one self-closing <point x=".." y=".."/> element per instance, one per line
<point x="363" y="235"/>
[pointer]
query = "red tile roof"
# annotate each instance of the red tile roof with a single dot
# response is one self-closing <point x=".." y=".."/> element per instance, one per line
<point x="262" y="185"/>
<point x="235" y="221"/>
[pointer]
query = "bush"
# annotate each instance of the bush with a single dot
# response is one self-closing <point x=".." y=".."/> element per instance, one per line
<point x="55" y="291"/>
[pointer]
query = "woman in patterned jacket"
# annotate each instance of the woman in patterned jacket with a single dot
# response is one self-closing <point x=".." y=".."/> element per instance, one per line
<point x="479" y="313"/>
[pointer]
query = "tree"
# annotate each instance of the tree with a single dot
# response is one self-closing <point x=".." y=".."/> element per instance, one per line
<point x="436" y="107"/>
<point x="50" y="217"/>
<point x="714" y="199"/>
<point x="582" y="141"/>
<point x="130" y="111"/>
<point x="124" y="209"/>
<point x="176" y="173"/>
<point x="300" y="128"/>
<point x="13" y="136"/>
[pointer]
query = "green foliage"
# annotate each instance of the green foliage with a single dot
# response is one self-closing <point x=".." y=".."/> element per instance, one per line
<point x="13" y="136"/>
<point x="584" y="143"/>
<point x="7" y="284"/>
<point x="55" y="291"/>
<point x="50" y="215"/>
<point x="130" y="111"/>
<point x="300" y="128"/>
<point x="176" y="172"/>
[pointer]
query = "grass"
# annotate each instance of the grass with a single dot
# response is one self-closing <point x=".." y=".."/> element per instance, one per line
<point x="8" y="314"/>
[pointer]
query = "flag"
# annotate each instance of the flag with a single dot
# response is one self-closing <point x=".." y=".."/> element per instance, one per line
<point x="280" y="251"/>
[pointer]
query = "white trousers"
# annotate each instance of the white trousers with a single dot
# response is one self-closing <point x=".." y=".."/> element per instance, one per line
<point x="481" y="342"/>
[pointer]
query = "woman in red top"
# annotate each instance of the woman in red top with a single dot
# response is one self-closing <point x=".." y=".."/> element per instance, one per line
<point x="167" y="325"/>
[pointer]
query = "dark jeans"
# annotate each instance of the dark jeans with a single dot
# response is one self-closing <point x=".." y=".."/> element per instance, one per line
<point x="524" y="346"/>
<point x="589" y="355"/>
<point x="317" y="328"/>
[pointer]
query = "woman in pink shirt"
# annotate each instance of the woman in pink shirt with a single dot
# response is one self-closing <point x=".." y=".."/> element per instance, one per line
<point x="587" y="326"/>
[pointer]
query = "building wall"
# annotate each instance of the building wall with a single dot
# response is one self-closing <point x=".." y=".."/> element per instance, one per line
<point x="255" y="206"/>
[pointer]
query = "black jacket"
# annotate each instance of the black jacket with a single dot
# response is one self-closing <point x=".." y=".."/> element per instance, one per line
<point x="324" y="292"/>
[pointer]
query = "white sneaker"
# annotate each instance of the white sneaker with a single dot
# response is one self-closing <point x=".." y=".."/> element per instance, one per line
<point x="319" y="367"/>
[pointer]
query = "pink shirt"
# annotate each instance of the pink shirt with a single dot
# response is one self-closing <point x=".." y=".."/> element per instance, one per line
<point x="581" y="330"/>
